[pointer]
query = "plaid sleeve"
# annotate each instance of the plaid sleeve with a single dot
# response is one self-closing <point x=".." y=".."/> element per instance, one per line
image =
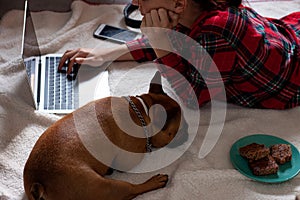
<point x="192" y="68"/>
<point x="141" y="50"/>
<point x="256" y="58"/>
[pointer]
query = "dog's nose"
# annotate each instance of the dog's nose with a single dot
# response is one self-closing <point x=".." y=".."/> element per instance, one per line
<point x="181" y="136"/>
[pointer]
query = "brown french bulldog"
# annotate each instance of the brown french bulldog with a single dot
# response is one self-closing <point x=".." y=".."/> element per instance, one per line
<point x="71" y="158"/>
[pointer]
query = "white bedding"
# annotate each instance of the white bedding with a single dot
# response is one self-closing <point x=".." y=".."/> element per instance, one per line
<point x="211" y="177"/>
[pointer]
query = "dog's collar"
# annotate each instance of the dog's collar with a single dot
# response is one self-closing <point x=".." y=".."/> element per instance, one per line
<point x="143" y="122"/>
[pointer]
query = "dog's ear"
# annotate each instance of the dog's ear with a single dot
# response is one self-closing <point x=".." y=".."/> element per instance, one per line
<point x="155" y="85"/>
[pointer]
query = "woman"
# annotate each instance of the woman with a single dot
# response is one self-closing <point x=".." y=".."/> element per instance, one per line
<point x="258" y="58"/>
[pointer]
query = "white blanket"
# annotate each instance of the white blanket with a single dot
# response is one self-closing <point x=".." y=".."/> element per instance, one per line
<point x="211" y="177"/>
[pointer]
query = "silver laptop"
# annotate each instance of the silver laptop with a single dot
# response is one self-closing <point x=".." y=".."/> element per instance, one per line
<point x="52" y="91"/>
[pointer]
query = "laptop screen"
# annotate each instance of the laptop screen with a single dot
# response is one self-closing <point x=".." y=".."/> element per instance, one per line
<point x="30" y="46"/>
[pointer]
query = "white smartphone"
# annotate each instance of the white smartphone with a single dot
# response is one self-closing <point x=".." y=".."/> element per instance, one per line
<point x="116" y="34"/>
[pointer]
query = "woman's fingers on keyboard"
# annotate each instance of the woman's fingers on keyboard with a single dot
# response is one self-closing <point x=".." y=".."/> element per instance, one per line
<point x="65" y="58"/>
<point x="69" y="58"/>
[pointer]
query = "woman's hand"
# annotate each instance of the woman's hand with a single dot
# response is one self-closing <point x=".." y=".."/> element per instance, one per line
<point x="155" y="26"/>
<point x="160" y="18"/>
<point x="79" y="56"/>
<point x="93" y="57"/>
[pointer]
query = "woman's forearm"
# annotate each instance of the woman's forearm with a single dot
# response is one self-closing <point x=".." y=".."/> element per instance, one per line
<point x="124" y="54"/>
<point x="120" y="53"/>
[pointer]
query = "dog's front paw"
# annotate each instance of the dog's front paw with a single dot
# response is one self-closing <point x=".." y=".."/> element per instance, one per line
<point x="157" y="181"/>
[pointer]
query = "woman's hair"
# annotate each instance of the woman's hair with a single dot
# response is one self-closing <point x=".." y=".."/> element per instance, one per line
<point x="218" y="4"/>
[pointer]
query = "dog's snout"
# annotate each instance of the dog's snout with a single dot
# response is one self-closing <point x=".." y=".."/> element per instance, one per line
<point x="181" y="136"/>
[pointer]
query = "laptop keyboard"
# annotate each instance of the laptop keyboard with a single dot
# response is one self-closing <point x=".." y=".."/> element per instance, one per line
<point x="30" y="66"/>
<point x="60" y="93"/>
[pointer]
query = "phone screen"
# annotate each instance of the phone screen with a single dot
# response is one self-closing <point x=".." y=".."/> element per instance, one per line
<point x="118" y="33"/>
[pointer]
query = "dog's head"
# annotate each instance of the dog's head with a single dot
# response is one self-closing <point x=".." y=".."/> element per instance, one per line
<point x="167" y="121"/>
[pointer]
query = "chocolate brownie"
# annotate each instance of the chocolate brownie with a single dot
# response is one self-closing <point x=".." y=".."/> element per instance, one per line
<point x="264" y="166"/>
<point x="254" y="151"/>
<point x="282" y="153"/>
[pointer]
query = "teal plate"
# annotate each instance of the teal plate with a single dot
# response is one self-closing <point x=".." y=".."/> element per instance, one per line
<point x="286" y="171"/>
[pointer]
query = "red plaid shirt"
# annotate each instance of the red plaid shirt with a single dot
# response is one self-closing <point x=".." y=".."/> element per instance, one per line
<point x="258" y="59"/>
